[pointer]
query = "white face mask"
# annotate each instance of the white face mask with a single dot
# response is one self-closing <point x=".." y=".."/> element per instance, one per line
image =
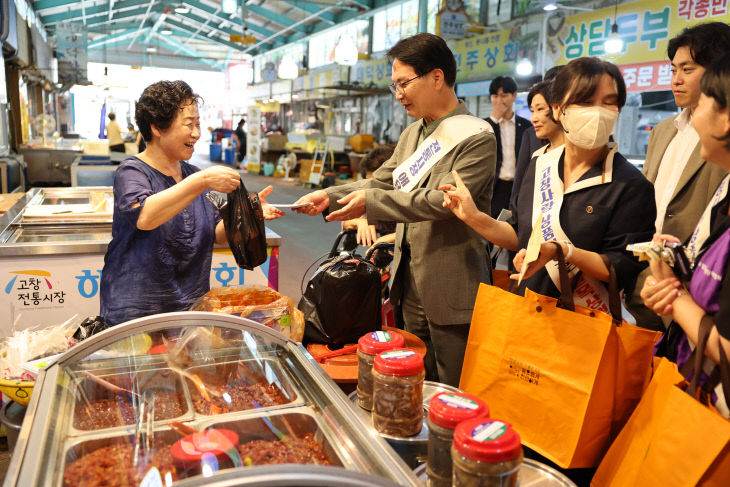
<point x="588" y="127"/>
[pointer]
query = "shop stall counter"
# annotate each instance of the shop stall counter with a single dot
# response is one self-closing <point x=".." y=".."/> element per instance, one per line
<point x="52" y="247"/>
<point x="185" y="397"/>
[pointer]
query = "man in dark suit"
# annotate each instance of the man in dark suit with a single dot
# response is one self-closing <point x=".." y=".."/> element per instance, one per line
<point x="508" y="130"/>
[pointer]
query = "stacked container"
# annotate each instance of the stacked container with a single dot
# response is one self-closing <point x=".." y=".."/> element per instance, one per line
<point x="398" y="392"/>
<point x="446" y="411"/>
<point x="485" y="453"/>
<point x="368" y="346"/>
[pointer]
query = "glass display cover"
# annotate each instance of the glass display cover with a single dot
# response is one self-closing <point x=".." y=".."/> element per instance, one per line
<point x="187" y="397"/>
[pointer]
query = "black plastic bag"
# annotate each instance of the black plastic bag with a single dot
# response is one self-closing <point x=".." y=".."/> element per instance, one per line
<point x="243" y="219"/>
<point x="90" y="326"/>
<point x="342" y="301"/>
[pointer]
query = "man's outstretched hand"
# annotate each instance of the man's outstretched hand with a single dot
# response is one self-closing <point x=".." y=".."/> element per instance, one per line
<point x="316" y="202"/>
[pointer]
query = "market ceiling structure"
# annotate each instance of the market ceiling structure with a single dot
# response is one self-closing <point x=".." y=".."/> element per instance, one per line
<point x="194" y="33"/>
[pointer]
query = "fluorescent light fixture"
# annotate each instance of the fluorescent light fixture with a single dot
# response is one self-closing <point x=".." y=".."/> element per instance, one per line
<point x="524" y="67"/>
<point x="613" y="44"/>
<point x="182" y="8"/>
<point x="166" y="32"/>
<point x="151" y="49"/>
<point x="550" y="6"/>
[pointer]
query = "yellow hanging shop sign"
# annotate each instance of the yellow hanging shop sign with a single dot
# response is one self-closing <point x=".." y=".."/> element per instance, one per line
<point x="645" y="27"/>
<point x="373" y="72"/>
<point x="477" y="58"/>
<point x="493" y="54"/>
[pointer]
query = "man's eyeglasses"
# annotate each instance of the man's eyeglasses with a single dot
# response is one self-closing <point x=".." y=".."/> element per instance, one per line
<point x="395" y="88"/>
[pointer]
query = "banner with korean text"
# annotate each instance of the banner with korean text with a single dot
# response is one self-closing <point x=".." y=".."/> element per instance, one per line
<point x="645" y="26"/>
<point x="497" y="53"/>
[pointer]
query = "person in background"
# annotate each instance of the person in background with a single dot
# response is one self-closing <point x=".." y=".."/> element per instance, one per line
<point x="240" y="136"/>
<point x="164" y="226"/>
<point x="709" y="287"/>
<point x="683" y="181"/>
<point x="529" y="144"/>
<point x="508" y="130"/>
<point x="131" y="133"/>
<point x="367" y="234"/>
<point x="540" y="101"/>
<point x="114" y="134"/>
<point x="438" y="262"/>
<point x="589" y="199"/>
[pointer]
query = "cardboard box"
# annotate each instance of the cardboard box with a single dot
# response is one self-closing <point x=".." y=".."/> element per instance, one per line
<point x="275" y="142"/>
<point x="305" y="169"/>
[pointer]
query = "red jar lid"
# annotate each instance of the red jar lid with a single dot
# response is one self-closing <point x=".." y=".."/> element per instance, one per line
<point x="447" y="409"/>
<point x="379" y="341"/>
<point x="400" y="362"/>
<point x="487" y="440"/>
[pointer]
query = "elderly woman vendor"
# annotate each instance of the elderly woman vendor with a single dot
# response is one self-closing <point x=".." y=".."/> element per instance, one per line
<point x="164" y="227"/>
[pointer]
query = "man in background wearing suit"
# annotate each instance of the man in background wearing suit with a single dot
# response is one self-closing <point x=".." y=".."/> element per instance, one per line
<point x="439" y="261"/>
<point x="683" y="182"/>
<point x="508" y="130"/>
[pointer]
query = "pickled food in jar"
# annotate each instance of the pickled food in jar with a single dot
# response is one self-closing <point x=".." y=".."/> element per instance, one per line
<point x="398" y="393"/>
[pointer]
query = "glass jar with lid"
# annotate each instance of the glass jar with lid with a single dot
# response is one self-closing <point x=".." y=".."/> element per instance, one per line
<point x="398" y="392"/>
<point x="446" y="410"/>
<point x="485" y="453"/>
<point x="368" y="346"/>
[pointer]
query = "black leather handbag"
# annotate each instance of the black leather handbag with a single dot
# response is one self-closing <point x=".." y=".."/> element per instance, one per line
<point x="342" y="300"/>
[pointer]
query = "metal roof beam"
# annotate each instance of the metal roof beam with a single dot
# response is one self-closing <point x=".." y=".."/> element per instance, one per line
<point x="144" y="59"/>
<point x="365" y="4"/>
<point x="173" y="44"/>
<point x="222" y="30"/>
<point x="91" y="11"/>
<point x="102" y="21"/>
<point x="44" y="4"/>
<point x="146" y="16"/>
<point x="113" y="38"/>
<point x="311" y="8"/>
<point x="188" y="31"/>
<point x="251" y="48"/>
<point x="155" y="27"/>
<point x="224" y="18"/>
<point x="273" y="17"/>
<point x="200" y="28"/>
<point x="104" y="28"/>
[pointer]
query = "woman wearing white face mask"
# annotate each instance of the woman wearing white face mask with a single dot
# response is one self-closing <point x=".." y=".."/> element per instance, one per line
<point x="588" y="198"/>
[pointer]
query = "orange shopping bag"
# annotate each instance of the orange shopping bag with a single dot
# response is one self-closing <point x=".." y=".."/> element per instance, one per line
<point x="671" y="439"/>
<point x="564" y="379"/>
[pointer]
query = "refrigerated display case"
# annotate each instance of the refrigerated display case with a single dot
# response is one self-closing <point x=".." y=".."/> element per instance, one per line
<point x="195" y="398"/>
<point x="52" y="247"/>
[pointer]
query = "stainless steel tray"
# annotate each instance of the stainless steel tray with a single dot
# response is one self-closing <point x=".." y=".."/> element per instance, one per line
<point x="161" y="379"/>
<point x="271" y="426"/>
<point x="263" y="426"/>
<point x="243" y="372"/>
